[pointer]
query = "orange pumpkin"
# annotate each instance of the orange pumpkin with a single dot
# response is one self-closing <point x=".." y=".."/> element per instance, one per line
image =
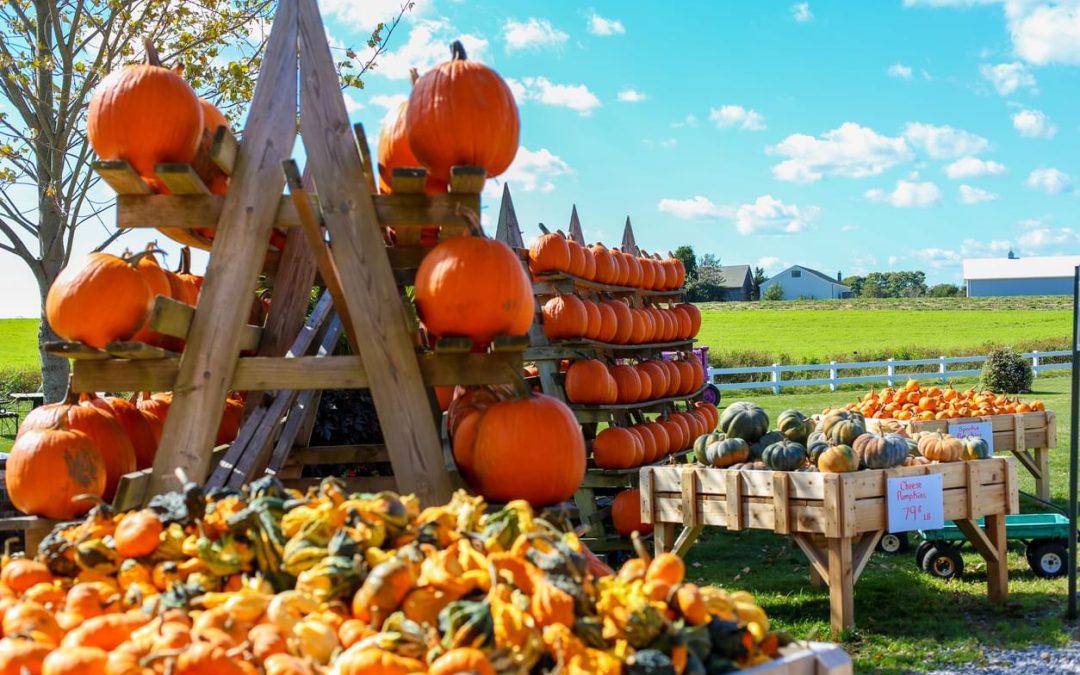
<point x="462" y="660"/>
<point x="609" y="325"/>
<point x="576" y="266"/>
<point x="395" y="152"/>
<point x="588" y="381"/>
<point x="286" y="664"/>
<point x="145" y="114"/>
<point x="229" y="427"/>
<point x="101" y="300"/>
<point x="634" y="265"/>
<point x="658" y="376"/>
<point x="529" y="449"/>
<point x="606" y="267"/>
<point x="626" y="514"/>
<point x="624" y="322"/>
<point x="622" y="268"/>
<point x="627" y="383"/>
<point x="590" y="263"/>
<point x="695" y="317"/>
<point x="138" y="534"/>
<point x="22" y="573"/>
<point x="549" y="253"/>
<point x="462" y="112"/>
<point x="473" y="287"/>
<point x="565" y="316"/>
<point x="663" y="439"/>
<point x="617" y="448"/>
<point x="365" y="660"/>
<point x="650" y="452"/>
<point x="648" y="273"/>
<point x="133" y="422"/>
<point x="593" y="320"/>
<point x="18" y="656"/>
<point x="65" y="461"/>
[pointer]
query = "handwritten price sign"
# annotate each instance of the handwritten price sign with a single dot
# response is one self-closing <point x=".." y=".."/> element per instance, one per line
<point x="915" y="503"/>
<point x="982" y="429"/>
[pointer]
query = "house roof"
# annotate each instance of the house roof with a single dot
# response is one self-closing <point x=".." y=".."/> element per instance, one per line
<point x="1036" y="267"/>
<point x="734" y="275"/>
<point x="823" y="277"/>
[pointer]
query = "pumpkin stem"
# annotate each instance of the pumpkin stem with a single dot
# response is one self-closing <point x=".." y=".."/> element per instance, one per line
<point x="457" y="51"/>
<point x="543" y="228"/>
<point x="8" y="543"/>
<point x="639" y="547"/>
<point x="475" y="228"/>
<point x="184" y="267"/>
<point x="152" y="56"/>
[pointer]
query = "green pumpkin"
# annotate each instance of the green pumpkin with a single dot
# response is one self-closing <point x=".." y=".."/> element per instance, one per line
<point x="975" y="447"/>
<point x="912" y="447"/>
<point x="816" y="443"/>
<point x="702" y="442"/>
<point x="765" y="441"/>
<point x="843" y="426"/>
<point x="725" y="452"/>
<point x="838" y="459"/>
<point x="784" y="455"/>
<point x="795" y="426"/>
<point x="744" y="420"/>
<point x="881" y="452"/>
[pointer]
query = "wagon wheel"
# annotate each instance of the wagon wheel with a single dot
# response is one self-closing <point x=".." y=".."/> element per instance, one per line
<point x="944" y="562"/>
<point x="894" y="542"/>
<point x="1047" y="558"/>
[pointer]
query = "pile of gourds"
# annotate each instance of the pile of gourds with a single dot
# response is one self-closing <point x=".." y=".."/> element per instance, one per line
<point x="838" y="442"/>
<point x="913" y="402"/>
<point x="594" y="382"/>
<point x="568" y="317"/>
<point x="267" y="580"/>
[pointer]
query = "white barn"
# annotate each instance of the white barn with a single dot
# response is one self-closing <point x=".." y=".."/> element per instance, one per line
<point x="802" y="282"/>
<point x="1039" y="275"/>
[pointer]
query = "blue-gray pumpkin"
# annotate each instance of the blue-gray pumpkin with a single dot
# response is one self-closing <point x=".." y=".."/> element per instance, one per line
<point x="843" y="426"/>
<point x="744" y="420"/>
<point x="724" y="453"/>
<point x="816" y="443"/>
<point x="881" y="452"/>
<point x="975" y="447"/>
<point x="758" y="447"/>
<point x="784" y="455"/>
<point x="702" y="442"/>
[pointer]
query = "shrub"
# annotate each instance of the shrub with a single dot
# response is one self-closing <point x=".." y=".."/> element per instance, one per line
<point x="1006" y="370"/>
<point x="19" y="379"/>
<point x="774" y="292"/>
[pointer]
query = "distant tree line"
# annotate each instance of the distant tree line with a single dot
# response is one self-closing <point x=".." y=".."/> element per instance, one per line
<point x="705" y="280"/>
<point x="904" y="284"/>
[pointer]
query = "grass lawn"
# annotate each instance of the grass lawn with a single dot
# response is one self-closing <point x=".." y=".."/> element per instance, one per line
<point x="18" y="343"/>
<point x="905" y="619"/>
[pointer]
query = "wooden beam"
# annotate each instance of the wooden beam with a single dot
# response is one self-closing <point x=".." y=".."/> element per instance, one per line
<point x="223" y="150"/>
<point x="341" y="454"/>
<point x="387" y="351"/>
<point x="863" y="550"/>
<point x="209" y="363"/>
<point x="819" y="561"/>
<point x="121" y="177"/>
<point x="173" y="318"/>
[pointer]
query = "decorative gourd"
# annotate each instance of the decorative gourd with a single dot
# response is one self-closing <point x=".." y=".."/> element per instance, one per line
<point x="549" y="253"/>
<point x="589" y="382"/>
<point x="975" y="447"/>
<point x="881" y="452"/>
<point x="838" y="459"/>
<point x="462" y="113"/>
<point x="723" y="453"/>
<point x="462" y="660"/>
<point x="138" y="534"/>
<point x="617" y="448"/>
<point x="473" y="287"/>
<point x="626" y="514"/>
<point x="795" y="426"/>
<point x="627" y="383"/>
<point x="939" y="447"/>
<point x="529" y="449"/>
<point x="565" y="316"/>
<point x="784" y="455"/>
<point x="102" y="300"/>
<point x="47" y="468"/>
<point x="816" y="443"/>
<point x="145" y="114"/>
<point x="744" y="420"/>
<point x="842" y="426"/>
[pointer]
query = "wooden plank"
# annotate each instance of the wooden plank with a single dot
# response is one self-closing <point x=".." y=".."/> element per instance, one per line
<point x="181" y="179"/>
<point x="997" y="571"/>
<point x="663" y="538"/>
<point x="978" y="538"/>
<point x="224" y="149"/>
<point x="173" y="318"/>
<point x="408" y="180"/>
<point x="841" y="584"/>
<point x="1011" y="488"/>
<point x="304" y="408"/>
<point x="689" y="497"/>
<point x="208" y="364"/>
<point x="734" y="500"/>
<point x="386" y="345"/>
<point x="819" y="560"/>
<point x="132" y="488"/>
<point x="1042" y="473"/>
<point x="365" y="156"/>
<point x="863" y="550"/>
<point x="1019" y="442"/>
<point x="686" y="540"/>
<point x="291" y="296"/>
<point x="973" y="488"/>
<point x="138" y="351"/>
<point x="780" y="502"/>
<point x="646" y="486"/>
<point x="121" y="177"/>
<point x="22" y="523"/>
<point x="75" y="350"/>
<point x="467" y="179"/>
<point x="341" y="454"/>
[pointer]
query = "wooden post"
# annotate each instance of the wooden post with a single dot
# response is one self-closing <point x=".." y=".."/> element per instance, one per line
<point x="664" y="537"/>
<point x="209" y="361"/>
<point x="997" y="571"/>
<point x="841" y="584"/>
<point x="371" y="294"/>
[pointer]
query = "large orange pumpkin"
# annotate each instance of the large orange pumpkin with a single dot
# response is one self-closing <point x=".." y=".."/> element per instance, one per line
<point x="529" y="449"/>
<point x="565" y="316"/>
<point x="624" y="322"/>
<point x="626" y="514"/>
<point x="47" y="467"/>
<point x="158" y="281"/>
<point x="650" y="450"/>
<point x="695" y="317"/>
<point x="106" y="434"/>
<point x="627" y="383"/>
<point x="609" y="323"/>
<point x="594" y="320"/>
<point x="588" y="381"/>
<point x="549" y="253"/>
<point x="145" y="114"/>
<point x="462" y="113"/>
<point x="577" y="259"/>
<point x="607" y="271"/>
<point x="617" y="448"/>
<point x="135" y="424"/>
<point x="473" y="287"/>
<point x="101" y="300"/>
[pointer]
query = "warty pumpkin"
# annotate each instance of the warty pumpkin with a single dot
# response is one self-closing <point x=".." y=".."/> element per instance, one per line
<point x="145" y="114"/>
<point x="100" y="300"/>
<point x="589" y="382"/>
<point x="462" y="113"/>
<point x="626" y="514"/>
<point x="564" y="316"/>
<point x="473" y="287"/>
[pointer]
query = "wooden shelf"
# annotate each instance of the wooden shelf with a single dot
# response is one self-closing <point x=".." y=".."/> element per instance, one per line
<point x="595" y="413"/>
<point x="554" y="283"/>
<point x="569" y="349"/>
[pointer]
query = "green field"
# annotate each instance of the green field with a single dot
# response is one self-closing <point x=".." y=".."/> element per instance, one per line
<point x="18" y="343"/>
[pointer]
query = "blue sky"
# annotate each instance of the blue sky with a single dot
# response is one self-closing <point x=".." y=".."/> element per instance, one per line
<point x="845" y="136"/>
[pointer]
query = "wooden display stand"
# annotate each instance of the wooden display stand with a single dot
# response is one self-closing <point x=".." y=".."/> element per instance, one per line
<point x="547" y="355"/>
<point x="836" y="519"/>
<point x="808" y="658"/>
<point x="375" y="244"/>
<point x="1021" y="434"/>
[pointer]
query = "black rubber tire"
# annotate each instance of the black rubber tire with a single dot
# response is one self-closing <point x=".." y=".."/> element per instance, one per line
<point x="1048" y="559"/>
<point x="920" y="552"/>
<point x="943" y="561"/>
<point x="893" y="543"/>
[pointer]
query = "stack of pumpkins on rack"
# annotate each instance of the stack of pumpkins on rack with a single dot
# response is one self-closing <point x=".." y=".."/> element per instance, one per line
<point x="554" y="253"/>
<point x="838" y="442"/>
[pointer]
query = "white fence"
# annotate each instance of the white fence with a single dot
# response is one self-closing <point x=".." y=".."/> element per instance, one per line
<point x="720" y="377"/>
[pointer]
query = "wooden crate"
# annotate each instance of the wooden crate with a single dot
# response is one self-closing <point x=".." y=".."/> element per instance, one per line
<point x="836" y="519"/>
<point x="807" y="658"/>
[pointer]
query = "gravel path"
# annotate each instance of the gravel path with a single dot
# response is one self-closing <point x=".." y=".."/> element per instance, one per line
<point x="1037" y="660"/>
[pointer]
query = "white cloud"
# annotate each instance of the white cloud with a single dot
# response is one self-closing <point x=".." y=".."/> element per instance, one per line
<point x="850" y="150"/>
<point x="944" y="142"/>
<point x="972" y="167"/>
<point x="1051" y="180"/>
<point x="974" y="248"/>
<point x="389" y="101"/>
<point x="769" y="262"/>
<point x="907" y="195"/>
<point x="427" y="46"/>
<point x="365" y="15"/>
<point x="532" y="34"/>
<point x="598" y="25"/>
<point x="577" y="97"/>
<point x="531" y="171"/>
<point x="688" y="121"/>
<point x="736" y="115"/>
<point x="938" y="258"/>
<point x="351" y="104"/>
<point x="893" y="259"/>
<point x="1044" y="33"/>
<point x="801" y="12"/>
<point x="631" y="95"/>
<point x="948" y="3"/>
<point x="1033" y="124"/>
<point x="696" y="208"/>
<point x="974" y="195"/>
<point x="1008" y="77"/>
<point x="768" y="215"/>
<point x="900" y="71"/>
<point x="1042" y="237"/>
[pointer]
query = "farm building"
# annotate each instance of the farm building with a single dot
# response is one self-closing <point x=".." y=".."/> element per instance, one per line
<point x="1039" y="275"/>
<point x="800" y="282"/>
<point x="738" y="282"/>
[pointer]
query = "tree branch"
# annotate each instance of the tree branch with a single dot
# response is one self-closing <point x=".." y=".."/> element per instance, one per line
<point x="406" y="6"/>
